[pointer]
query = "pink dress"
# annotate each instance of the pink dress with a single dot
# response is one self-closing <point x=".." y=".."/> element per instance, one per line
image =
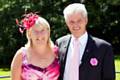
<point x="32" y="72"/>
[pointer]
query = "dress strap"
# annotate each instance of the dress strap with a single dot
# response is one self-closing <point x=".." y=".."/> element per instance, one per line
<point x="56" y="50"/>
<point x="24" y="56"/>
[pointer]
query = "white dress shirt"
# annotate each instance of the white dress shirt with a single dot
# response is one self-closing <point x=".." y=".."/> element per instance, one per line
<point x="83" y="41"/>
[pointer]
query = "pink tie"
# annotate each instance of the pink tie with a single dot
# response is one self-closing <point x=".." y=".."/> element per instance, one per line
<point x="74" y="62"/>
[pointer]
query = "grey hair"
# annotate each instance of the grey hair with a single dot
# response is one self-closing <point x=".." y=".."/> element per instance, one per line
<point x="75" y="7"/>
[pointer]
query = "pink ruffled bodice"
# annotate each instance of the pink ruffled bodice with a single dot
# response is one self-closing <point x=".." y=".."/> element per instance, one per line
<point x="32" y="72"/>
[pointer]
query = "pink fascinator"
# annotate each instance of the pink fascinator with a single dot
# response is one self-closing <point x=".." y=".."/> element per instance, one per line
<point x="27" y="22"/>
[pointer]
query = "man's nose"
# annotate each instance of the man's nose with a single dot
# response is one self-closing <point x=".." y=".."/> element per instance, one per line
<point x="76" y="24"/>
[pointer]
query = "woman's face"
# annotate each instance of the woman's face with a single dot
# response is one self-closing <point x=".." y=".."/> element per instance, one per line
<point x="39" y="35"/>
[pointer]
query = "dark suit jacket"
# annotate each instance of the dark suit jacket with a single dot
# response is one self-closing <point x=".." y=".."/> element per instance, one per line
<point x="95" y="48"/>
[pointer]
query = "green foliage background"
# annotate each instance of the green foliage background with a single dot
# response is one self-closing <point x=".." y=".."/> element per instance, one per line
<point x="104" y="21"/>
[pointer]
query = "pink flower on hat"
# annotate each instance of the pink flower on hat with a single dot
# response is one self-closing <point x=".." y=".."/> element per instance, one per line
<point x="27" y="22"/>
<point x="93" y="61"/>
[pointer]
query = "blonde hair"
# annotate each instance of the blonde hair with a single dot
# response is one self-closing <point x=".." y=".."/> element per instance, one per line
<point x="40" y="21"/>
<point x="75" y="7"/>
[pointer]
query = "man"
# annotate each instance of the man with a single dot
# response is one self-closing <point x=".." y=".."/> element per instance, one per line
<point x="93" y="60"/>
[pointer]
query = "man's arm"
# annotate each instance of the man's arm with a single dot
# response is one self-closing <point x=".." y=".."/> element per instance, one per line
<point x="108" y="64"/>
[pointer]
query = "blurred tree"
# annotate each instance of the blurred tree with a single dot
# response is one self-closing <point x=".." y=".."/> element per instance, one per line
<point x="104" y="21"/>
<point x="103" y="16"/>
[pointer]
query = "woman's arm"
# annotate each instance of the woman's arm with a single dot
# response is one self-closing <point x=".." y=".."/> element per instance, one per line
<point x="16" y="66"/>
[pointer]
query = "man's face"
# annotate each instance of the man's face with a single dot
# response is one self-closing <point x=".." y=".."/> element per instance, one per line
<point x="76" y="23"/>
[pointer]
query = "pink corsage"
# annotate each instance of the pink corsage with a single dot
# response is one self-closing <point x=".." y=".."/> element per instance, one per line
<point x="27" y="22"/>
<point x="93" y="61"/>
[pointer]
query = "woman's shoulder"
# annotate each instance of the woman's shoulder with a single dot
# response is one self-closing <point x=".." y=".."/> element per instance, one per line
<point x="19" y="52"/>
<point x="17" y="59"/>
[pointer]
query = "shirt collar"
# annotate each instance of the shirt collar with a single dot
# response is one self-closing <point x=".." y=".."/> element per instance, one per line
<point x="82" y="39"/>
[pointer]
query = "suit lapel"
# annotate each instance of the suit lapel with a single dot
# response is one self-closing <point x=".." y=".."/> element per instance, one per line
<point x="65" y="45"/>
<point x="64" y="50"/>
<point x="90" y="47"/>
<point x="88" y="50"/>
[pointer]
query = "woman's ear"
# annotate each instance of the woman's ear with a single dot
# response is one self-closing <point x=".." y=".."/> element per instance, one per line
<point x="28" y="34"/>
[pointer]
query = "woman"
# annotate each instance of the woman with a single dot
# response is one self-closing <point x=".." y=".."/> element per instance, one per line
<point x="38" y="59"/>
